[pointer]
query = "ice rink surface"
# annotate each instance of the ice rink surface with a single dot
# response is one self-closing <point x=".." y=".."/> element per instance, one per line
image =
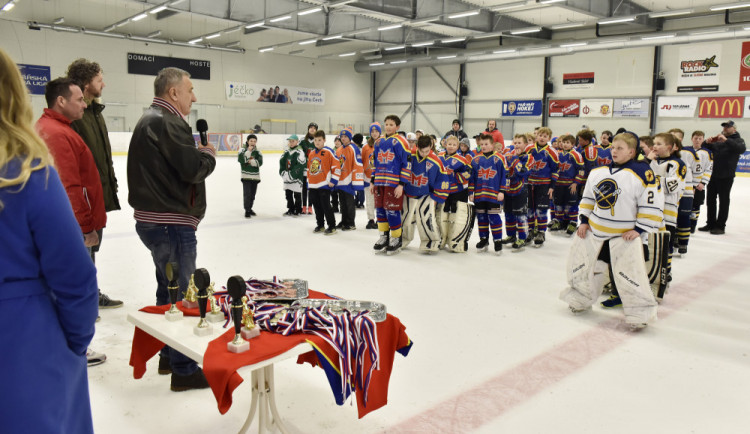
<point x="494" y="351"/>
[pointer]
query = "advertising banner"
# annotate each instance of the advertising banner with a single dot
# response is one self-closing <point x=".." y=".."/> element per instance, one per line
<point x="724" y="107"/>
<point x="578" y="80"/>
<point x="239" y="91"/>
<point x="148" y="64"/>
<point x="677" y="106"/>
<point x="35" y="77"/>
<point x="699" y="68"/>
<point x="566" y="108"/>
<point x="222" y="141"/>
<point x="596" y="108"/>
<point x="745" y="68"/>
<point x="632" y="107"/>
<point x="743" y="166"/>
<point x="522" y="108"/>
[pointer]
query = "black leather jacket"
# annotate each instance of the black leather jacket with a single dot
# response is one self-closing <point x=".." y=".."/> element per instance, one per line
<point x="166" y="172"/>
<point x="726" y="155"/>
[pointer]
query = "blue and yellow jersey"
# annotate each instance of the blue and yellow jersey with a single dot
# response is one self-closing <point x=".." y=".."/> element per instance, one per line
<point x="488" y="177"/>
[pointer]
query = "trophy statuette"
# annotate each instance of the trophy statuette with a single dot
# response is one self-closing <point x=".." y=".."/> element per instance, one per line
<point x="215" y="315"/>
<point x="202" y="280"/>
<point x="236" y="288"/>
<point x="190" y="301"/>
<point x="173" y="271"/>
<point x="249" y="330"/>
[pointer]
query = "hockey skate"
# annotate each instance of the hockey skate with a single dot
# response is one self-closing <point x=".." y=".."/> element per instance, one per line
<point x="637" y="326"/>
<point x="612" y="301"/>
<point x="382" y="242"/>
<point x="571" y="229"/>
<point x="498" y="246"/>
<point x="482" y="245"/>
<point x="579" y="311"/>
<point x="555" y="226"/>
<point x="539" y="239"/>
<point x="518" y="245"/>
<point x="510" y="239"/>
<point x="682" y="250"/>
<point x="394" y="246"/>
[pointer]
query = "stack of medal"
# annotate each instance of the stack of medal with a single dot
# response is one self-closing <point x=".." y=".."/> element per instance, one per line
<point x="202" y="280"/>
<point x="172" y="272"/>
<point x="216" y="315"/>
<point x="190" y="301"/>
<point x="249" y="330"/>
<point x="236" y="288"/>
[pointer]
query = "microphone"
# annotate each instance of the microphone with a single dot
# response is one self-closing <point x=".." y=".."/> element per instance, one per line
<point x="202" y="127"/>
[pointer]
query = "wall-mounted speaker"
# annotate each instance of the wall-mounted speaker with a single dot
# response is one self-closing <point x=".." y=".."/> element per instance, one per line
<point x="661" y="84"/>
<point x="549" y="87"/>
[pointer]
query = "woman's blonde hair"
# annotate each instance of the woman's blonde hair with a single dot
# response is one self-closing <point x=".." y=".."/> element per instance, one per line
<point x="18" y="140"/>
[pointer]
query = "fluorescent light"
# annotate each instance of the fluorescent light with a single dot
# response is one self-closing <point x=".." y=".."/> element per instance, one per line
<point x="446" y="57"/>
<point x="526" y="30"/>
<point x="308" y="12"/>
<point x="330" y="38"/>
<point x="348" y="54"/>
<point x="215" y="35"/>
<point x="58" y="20"/>
<point x="424" y="21"/>
<point x="284" y="18"/>
<point x="233" y="44"/>
<point x="263" y="50"/>
<point x="647" y="38"/>
<point x="488" y="35"/>
<point x="139" y="17"/>
<point x="548" y="2"/>
<point x="154" y="34"/>
<point x="377" y="64"/>
<point x="422" y="44"/>
<point x="670" y="13"/>
<point x="504" y="51"/>
<point x="509" y="6"/>
<point x="195" y="41"/>
<point x="110" y="35"/>
<point x="8" y="7"/>
<point x="158" y="9"/>
<point x="384" y="28"/>
<point x="310" y="41"/>
<point x="617" y="20"/>
<point x="729" y="6"/>
<point x="464" y="14"/>
<point x="452" y="40"/>
<point x="250" y="26"/>
<point x="567" y="25"/>
<point x="120" y="24"/>
<point x="67" y="29"/>
<point x="109" y="28"/>
<point x="398" y="47"/>
<point x="395" y="62"/>
<point x="574" y="44"/>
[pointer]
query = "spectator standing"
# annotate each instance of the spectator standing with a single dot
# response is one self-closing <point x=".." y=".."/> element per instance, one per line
<point x="456" y="130"/>
<point x="250" y="160"/>
<point x="497" y="136"/>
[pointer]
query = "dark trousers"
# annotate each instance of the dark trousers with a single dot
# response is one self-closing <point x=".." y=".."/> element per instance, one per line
<point x="304" y="191"/>
<point x="294" y="201"/>
<point x="171" y="243"/>
<point x="249" y="188"/>
<point x="335" y="200"/>
<point x="360" y="196"/>
<point x="346" y="202"/>
<point x="321" y="203"/>
<point x="718" y="187"/>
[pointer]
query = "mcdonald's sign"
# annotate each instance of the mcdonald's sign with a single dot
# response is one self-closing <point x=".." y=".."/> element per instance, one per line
<point x="721" y="107"/>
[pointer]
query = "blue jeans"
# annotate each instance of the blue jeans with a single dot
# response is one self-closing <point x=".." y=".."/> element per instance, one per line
<point x="171" y="243"/>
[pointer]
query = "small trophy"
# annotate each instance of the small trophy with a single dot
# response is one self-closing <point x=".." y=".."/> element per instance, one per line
<point x="202" y="280"/>
<point x="173" y="272"/>
<point x="236" y="287"/>
<point x="249" y="330"/>
<point x="215" y="315"/>
<point x="190" y="301"/>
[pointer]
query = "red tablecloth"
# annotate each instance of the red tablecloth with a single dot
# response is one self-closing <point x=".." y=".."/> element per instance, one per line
<point x="220" y="366"/>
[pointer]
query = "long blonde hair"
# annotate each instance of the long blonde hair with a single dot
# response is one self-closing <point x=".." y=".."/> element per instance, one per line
<point x="18" y="140"/>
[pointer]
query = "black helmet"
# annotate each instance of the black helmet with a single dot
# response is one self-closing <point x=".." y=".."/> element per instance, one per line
<point x="312" y="124"/>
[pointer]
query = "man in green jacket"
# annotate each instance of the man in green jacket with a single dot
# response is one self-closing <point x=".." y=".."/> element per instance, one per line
<point x="93" y="130"/>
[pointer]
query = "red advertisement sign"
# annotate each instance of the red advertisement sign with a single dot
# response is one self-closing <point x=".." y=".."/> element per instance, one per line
<point x="566" y="108"/>
<point x="578" y="79"/>
<point x="745" y="67"/>
<point x="726" y="107"/>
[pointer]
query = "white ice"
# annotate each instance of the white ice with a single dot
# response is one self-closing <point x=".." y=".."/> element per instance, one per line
<point x="494" y="349"/>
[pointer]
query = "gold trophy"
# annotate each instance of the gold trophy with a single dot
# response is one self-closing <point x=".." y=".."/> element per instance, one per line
<point x="190" y="300"/>
<point x="236" y="288"/>
<point x="215" y="315"/>
<point x="249" y="329"/>
<point x="202" y="280"/>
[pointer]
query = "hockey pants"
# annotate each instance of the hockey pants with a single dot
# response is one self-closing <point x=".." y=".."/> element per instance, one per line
<point x="586" y="277"/>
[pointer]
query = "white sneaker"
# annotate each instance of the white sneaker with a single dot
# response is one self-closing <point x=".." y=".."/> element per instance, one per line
<point x="93" y="358"/>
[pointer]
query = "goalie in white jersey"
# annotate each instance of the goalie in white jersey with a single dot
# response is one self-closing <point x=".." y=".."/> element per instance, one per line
<point x="620" y="202"/>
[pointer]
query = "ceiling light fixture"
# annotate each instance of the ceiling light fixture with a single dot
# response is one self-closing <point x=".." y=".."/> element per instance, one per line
<point x="139" y="17"/>
<point x="384" y="28"/>
<point x="195" y="41"/>
<point x="447" y="57"/>
<point x="452" y="40"/>
<point x="526" y="30"/>
<point x="309" y="11"/>
<point x="348" y="54"/>
<point x="422" y="44"/>
<point x="263" y="50"/>
<point x="398" y="47"/>
<point x="310" y="41"/>
<point x="330" y="38"/>
<point x="8" y="6"/>
<point x="154" y="34"/>
<point x="670" y="13"/>
<point x="729" y="6"/>
<point x="396" y="62"/>
<point x="158" y="9"/>
<point x="215" y="35"/>
<point x="59" y="20"/>
<point x="574" y="44"/>
<point x="617" y="20"/>
<point x="284" y="18"/>
<point x="377" y="64"/>
<point x="504" y="51"/>
<point x="567" y="25"/>
<point x="549" y="2"/>
<point x="464" y="14"/>
<point x="250" y="26"/>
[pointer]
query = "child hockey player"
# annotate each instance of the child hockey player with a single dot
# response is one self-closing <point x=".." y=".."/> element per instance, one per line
<point x="368" y="164"/>
<point x="570" y="170"/>
<point x="292" y="169"/>
<point x="456" y="218"/>
<point x="705" y="162"/>
<point x="487" y="185"/>
<point x="516" y="198"/>
<point x="250" y="160"/>
<point x="323" y="172"/>
<point x="307" y="145"/>
<point x="350" y="179"/>
<point x="391" y="173"/>
<point x="422" y="194"/>
<point x="543" y="167"/>
<point x="620" y="201"/>
<point x="685" y="207"/>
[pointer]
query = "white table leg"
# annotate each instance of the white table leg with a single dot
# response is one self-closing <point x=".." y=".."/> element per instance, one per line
<point x="264" y="398"/>
<point x="253" y="403"/>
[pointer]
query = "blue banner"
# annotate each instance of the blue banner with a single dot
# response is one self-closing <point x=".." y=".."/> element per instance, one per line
<point x="35" y="77"/>
<point x="528" y="107"/>
<point x="743" y="166"/>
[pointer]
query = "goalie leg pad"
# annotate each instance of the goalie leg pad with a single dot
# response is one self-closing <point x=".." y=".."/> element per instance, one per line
<point x="656" y="265"/>
<point x="370" y="204"/>
<point x="583" y="289"/>
<point x="461" y="225"/>
<point x="429" y="231"/>
<point x="629" y="270"/>
<point x="407" y="227"/>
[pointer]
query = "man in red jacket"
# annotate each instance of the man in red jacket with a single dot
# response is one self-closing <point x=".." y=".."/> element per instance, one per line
<point x="74" y="163"/>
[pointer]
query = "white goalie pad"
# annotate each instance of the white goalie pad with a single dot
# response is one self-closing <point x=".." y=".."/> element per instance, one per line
<point x="408" y="218"/>
<point x="460" y="225"/>
<point x="429" y="230"/>
<point x="631" y="279"/>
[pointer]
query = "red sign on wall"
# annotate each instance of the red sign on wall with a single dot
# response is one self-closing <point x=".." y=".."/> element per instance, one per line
<point x="721" y="107"/>
<point x="745" y="67"/>
<point x="564" y="108"/>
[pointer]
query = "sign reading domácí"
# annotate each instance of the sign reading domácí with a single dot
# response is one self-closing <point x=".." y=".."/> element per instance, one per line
<point x="148" y="64"/>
